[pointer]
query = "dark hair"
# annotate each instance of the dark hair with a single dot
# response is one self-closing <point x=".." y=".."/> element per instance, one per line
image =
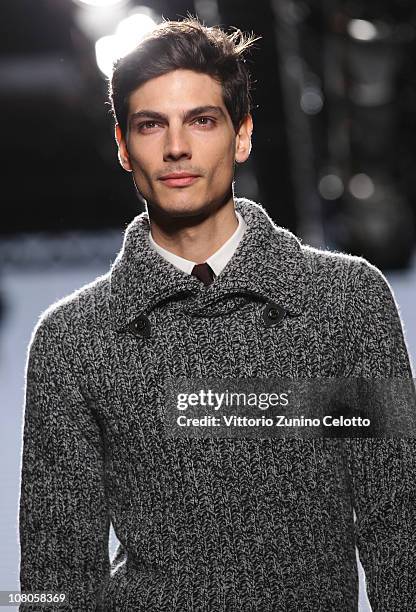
<point x="186" y="44"/>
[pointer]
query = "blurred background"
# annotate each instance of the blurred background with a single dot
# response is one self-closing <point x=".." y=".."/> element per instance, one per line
<point x="333" y="158"/>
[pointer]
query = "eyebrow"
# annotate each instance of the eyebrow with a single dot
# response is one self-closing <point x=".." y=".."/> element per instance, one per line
<point x="186" y="115"/>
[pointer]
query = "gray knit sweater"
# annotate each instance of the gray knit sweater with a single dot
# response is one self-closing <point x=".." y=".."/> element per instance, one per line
<point x="212" y="525"/>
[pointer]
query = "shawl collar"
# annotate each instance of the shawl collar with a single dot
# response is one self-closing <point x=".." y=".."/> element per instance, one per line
<point x="268" y="262"/>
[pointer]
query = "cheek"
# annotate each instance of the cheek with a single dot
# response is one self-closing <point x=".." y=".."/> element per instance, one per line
<point x="141" y="160"/>
<point x="225" y="162"/>
<point x="141" y="166"/>
<point x="221" y="155"/>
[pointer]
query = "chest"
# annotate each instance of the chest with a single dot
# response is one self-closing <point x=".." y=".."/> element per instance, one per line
<point x="241" y="341"/>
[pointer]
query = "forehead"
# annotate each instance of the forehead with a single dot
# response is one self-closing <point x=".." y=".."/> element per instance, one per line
<point x="175" y="91"/>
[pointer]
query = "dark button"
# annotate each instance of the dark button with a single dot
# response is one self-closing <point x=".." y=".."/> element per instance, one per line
<point x="273" y="314"/>
<point x="140" y="326"/>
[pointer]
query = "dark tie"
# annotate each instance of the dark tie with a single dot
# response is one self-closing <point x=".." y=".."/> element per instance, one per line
<point x="204" y="272"/>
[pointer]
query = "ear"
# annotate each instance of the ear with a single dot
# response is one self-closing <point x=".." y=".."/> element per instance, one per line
<point x="123" y="154"/>
<point x="243" y="140"/>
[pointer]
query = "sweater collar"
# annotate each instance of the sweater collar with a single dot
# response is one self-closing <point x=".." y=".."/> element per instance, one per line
<point x="268" y="263"/>
<point x="217" y="260"/>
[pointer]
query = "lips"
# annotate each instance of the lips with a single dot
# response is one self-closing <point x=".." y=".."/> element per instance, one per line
<point x="179" y="180"/>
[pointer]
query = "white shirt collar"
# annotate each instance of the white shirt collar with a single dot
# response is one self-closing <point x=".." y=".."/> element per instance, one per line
<point x="217" y="261"/>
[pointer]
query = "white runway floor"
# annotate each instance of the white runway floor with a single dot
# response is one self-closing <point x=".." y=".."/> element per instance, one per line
<point x="27" y="293"/>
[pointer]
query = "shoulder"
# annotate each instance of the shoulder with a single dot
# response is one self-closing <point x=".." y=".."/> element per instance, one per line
<point x="325" y="260"/>
<point x="355" y="300"/>
<point x="347" y="287"/>
<point x="356" y="274"/>
<point x="74" y="315"/>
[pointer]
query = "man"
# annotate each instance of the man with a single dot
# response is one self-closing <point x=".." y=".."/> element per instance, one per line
<point x="207" y="286"/>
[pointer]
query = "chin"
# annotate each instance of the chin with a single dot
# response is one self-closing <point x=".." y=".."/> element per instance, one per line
<point x="180" y="208"/>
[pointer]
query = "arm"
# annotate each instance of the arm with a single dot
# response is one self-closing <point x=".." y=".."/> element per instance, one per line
<point x="63" y="515"/>
<point x="382" y="471"/>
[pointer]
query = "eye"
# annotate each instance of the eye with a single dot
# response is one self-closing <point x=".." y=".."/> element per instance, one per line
<point x="210" y="121"/>
<point x="146" y="124"/>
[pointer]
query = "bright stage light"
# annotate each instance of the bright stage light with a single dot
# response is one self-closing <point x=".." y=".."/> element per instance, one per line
<point x="131" y="30"/>
<point x="128" y="34"/>
<point x="361" y="186"/>
<point x="360" y="29"/>
<point x="331" y="187"/>
<point x="100" y="2"/>
<point x="105" y="53"/>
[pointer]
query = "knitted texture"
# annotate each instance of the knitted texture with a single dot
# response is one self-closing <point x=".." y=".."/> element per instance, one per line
<point x="225" y="524"/>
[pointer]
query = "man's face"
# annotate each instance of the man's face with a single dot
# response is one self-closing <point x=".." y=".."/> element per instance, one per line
<point x="178" y="123"/>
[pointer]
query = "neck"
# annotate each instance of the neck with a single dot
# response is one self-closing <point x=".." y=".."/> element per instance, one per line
<point x="194" y="237"/>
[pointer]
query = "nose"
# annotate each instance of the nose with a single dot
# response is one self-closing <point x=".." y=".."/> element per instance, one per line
<point x="177" y="145"/>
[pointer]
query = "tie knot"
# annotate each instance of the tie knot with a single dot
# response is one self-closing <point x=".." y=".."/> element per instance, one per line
<point x="204" y="272"/>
